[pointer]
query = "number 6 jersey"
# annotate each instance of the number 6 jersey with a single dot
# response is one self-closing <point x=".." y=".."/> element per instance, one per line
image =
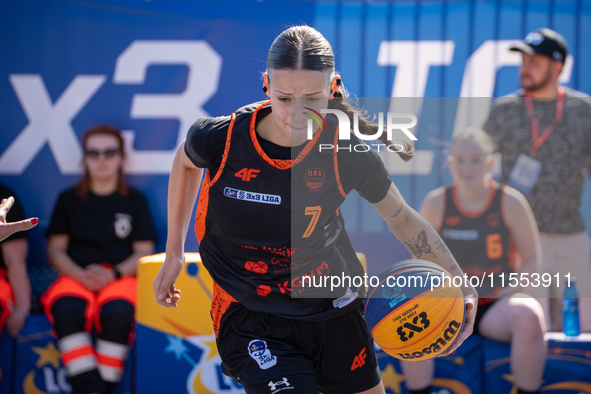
<point x="479" y="241"/>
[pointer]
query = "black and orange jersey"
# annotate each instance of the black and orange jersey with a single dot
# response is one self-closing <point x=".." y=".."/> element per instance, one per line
<point x="263" y="222"/>
<point x="479" y="241"/>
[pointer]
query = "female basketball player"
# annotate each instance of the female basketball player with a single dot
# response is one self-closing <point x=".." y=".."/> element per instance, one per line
<point x="484" y="224"/>
<point x="268" y="213"/>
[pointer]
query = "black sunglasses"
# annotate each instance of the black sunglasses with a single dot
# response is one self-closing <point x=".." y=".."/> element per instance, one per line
<point x="107" y="154"/>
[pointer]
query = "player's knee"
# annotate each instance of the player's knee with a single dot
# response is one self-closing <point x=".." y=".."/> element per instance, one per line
<point x="116" y="319"/>
<point x="68" y="315"/>
<point x="527" y="319"/>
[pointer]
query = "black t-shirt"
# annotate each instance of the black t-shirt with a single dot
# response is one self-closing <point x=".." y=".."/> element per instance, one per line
<point x="15" y="214"/>
<point x="362" y="171"/>
<point x="101" y="229"/>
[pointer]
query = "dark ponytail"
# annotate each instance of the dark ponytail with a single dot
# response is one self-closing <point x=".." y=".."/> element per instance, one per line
<point x="304" y="48"/>
<point x="366" y="127"/>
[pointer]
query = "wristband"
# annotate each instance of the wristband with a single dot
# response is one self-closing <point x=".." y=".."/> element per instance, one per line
<point x="117" y="273"/>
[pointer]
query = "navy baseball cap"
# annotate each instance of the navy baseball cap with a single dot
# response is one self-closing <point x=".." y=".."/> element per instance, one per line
<point x="544" y="42"/>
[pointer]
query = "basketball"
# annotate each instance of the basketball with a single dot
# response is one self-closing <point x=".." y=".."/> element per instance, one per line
<point x="415" y="313"/>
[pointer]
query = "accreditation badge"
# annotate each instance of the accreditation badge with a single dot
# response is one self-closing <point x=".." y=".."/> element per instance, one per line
<point x="525" y="173"/>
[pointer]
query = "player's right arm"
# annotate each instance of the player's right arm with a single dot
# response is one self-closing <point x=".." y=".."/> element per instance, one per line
<point x="183" y="186"/>
<point x="406" y="223"/>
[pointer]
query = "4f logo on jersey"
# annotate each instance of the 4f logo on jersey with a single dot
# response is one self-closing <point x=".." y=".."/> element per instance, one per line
<point x="246" y="174"/>
<point x="314" y="179"/>
<point x="413" y="327"/>
<point x="359" y="360"/>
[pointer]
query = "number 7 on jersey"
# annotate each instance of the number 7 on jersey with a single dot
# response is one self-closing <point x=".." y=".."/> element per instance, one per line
<point x="315" y="213"/>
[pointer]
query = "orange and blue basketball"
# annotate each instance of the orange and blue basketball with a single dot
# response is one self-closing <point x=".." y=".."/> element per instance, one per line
<point x="411" y="315"/>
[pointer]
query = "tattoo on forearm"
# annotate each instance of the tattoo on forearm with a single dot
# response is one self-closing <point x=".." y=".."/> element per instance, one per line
<point x="420" y="245"/>
<point x="441" y="245"/>
<point x="397" y="212"/>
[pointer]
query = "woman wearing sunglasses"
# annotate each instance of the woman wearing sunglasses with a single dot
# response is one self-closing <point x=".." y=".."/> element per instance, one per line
<point x="98" y="231"/>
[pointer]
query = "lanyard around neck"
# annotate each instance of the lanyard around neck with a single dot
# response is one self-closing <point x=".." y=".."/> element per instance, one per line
<point x="538" y="140"/>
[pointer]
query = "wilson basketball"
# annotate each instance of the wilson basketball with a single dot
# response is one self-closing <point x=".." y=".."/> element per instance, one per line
<point x="414" y="313"/>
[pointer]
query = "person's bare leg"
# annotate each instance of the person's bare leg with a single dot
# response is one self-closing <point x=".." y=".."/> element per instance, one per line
<point x="545" y="304"/>
<point x="520" y="321"/>
<point x="418" y="374"/>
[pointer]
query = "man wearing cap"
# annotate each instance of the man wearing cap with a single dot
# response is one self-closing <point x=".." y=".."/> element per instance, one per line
<point x="544" y="134"/>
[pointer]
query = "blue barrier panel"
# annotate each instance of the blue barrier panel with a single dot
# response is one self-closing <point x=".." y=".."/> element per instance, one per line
<point x="481" y="366"/>
<point x="568" y="366"/>
<point x="7" y="347"/>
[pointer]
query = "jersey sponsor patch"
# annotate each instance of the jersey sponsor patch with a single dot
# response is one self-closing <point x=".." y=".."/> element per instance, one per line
<point x="258" y="267"/>
<point x="251" y="196"/>
<point x="460" y="235"/>
<point x="260" y="353"/>
<point x="263" y="290"/>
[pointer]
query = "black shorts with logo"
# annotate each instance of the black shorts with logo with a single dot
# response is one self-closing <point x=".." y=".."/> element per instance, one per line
<point x="271" y="354"/>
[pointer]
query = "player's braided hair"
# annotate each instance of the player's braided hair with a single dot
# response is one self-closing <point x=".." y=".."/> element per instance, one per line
<point x="304" y="48"/>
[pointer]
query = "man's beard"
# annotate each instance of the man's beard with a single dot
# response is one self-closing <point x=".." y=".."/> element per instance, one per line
<point x="532" y="86"/>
